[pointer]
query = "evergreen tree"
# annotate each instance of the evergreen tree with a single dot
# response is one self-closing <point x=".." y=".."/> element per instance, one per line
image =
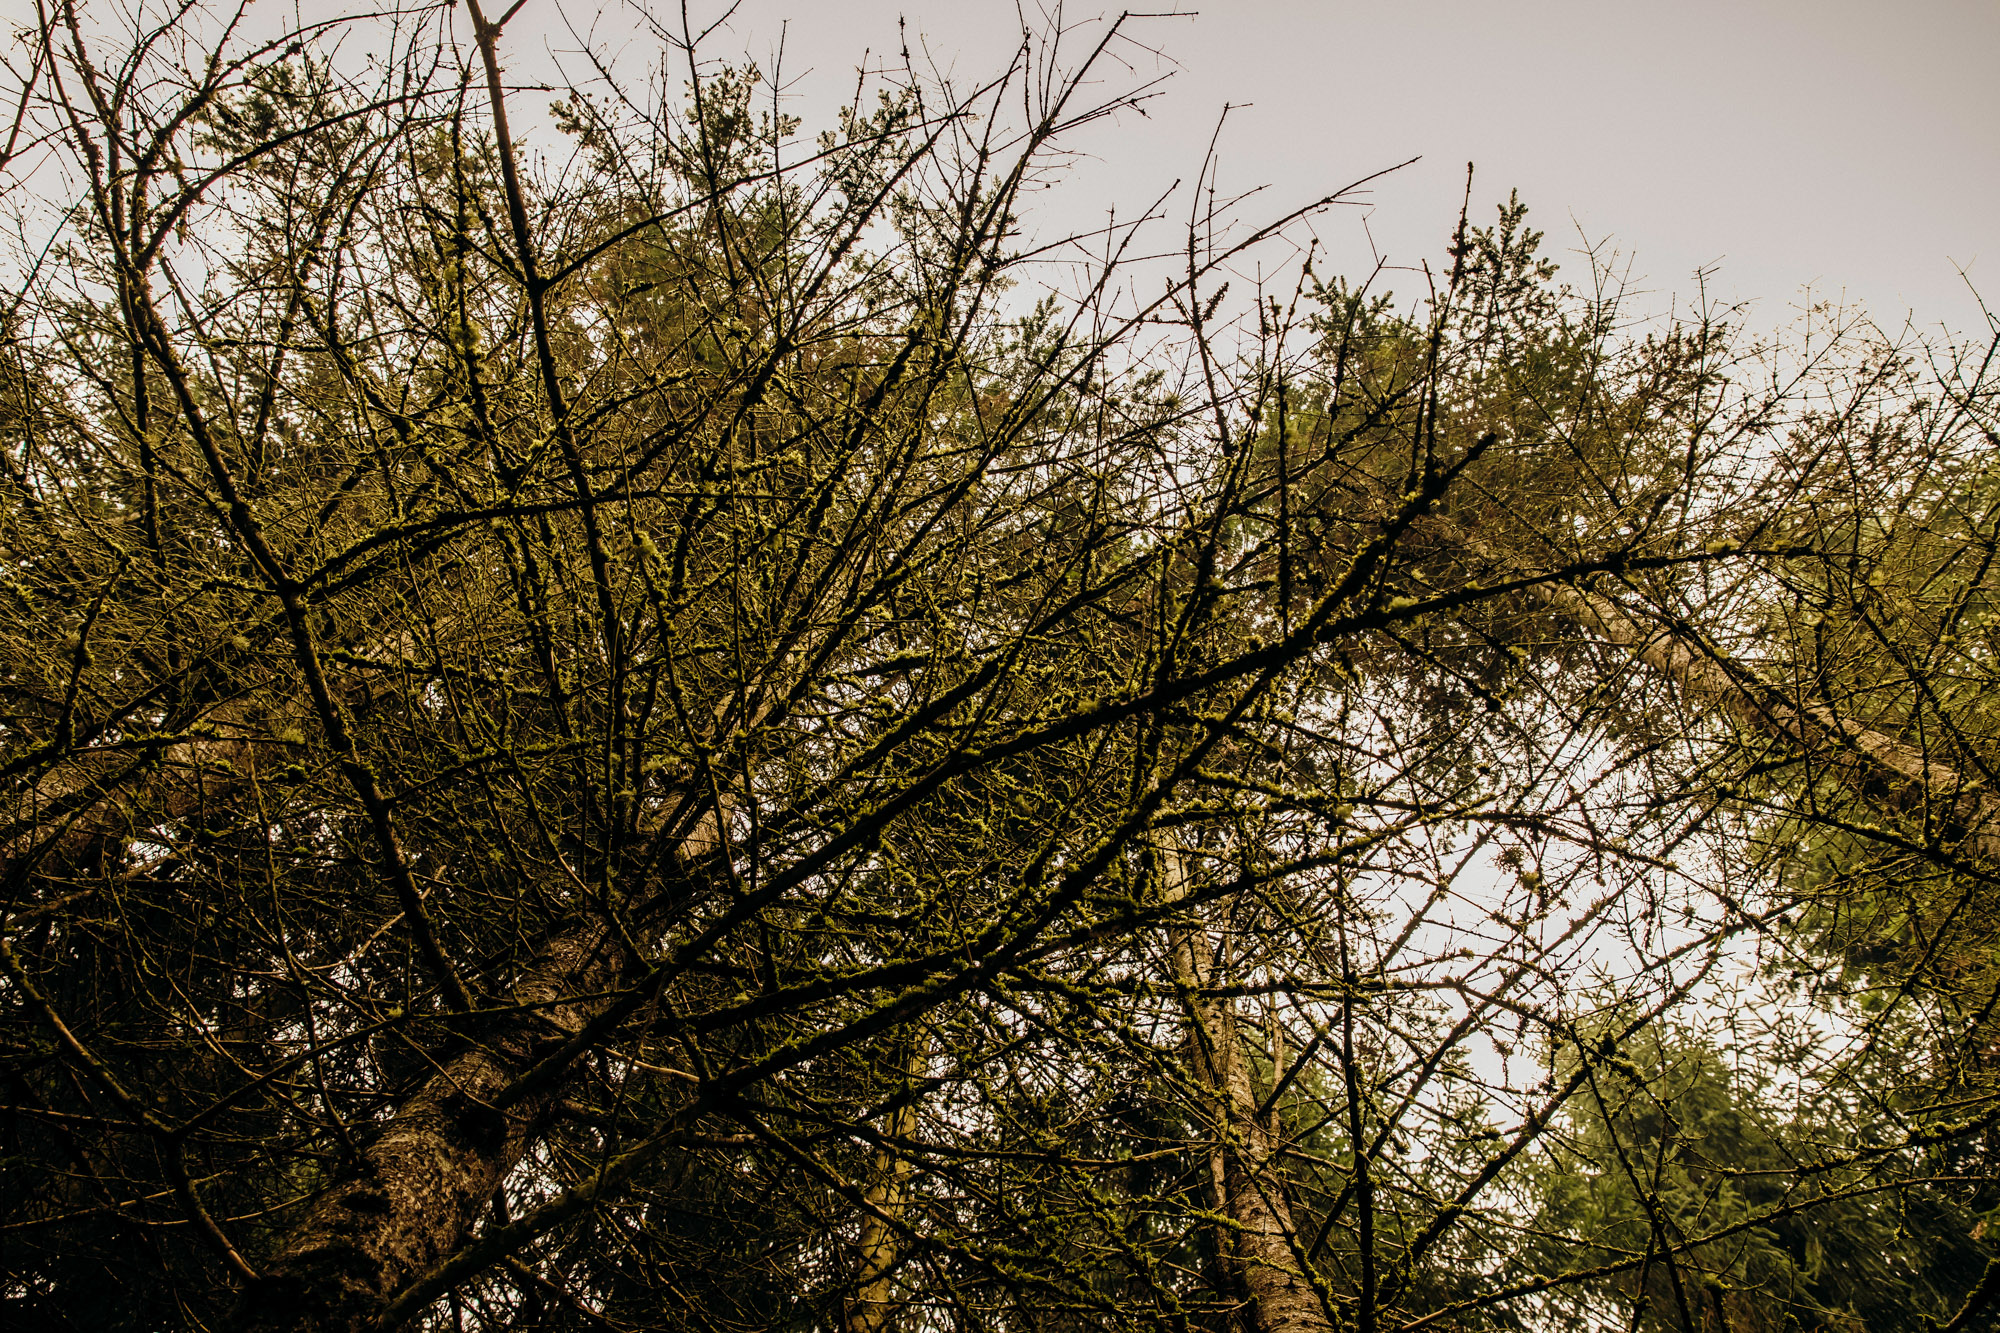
<point x="637" y="738"/>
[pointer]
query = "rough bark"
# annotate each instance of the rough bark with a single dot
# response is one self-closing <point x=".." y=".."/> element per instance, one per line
<point x="424" y="1182"/>
<point x="1261" y="1243"/>
<point x="53" y="825"/>
<point x="1881" y="769"/>
<point x="873" y="1305"/>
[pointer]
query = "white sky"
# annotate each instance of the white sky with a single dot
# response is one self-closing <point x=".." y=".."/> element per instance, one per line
<point x="1843" y="143"/>
<point x="1850" y="144"/>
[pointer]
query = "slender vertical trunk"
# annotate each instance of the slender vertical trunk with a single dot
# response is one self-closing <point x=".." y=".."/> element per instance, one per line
<point x="1262" y="1240"/>
<point x="873" y="1305"/>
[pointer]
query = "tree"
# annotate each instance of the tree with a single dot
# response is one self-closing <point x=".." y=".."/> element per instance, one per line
<point x="1680" y="1157"/>
<point x="640" y="740"/>
<point x="1853" y="763"/>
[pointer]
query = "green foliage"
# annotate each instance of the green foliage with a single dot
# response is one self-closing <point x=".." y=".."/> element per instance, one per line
<point x="637" y="739"/>
<point x="1728" y="1204"/>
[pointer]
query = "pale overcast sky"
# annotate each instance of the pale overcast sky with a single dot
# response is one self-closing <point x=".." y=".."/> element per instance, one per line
<point x="1843" y="143"/>
<point x="1851" y="144"/>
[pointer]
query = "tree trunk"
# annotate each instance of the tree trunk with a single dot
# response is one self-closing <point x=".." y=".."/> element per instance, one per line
<point x="424" y="1182"/>
<point x="1261" y="1243"/>
<point x="1878" y="767"/>
<point x="873" y="1305"/>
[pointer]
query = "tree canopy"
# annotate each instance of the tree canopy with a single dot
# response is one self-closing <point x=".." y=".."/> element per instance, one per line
<point x="661" y="722"/>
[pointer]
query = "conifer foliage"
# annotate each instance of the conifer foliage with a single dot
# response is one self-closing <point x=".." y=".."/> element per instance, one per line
<point x="652" y="723"/>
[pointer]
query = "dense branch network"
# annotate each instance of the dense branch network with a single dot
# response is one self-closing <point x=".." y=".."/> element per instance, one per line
<point x="619" y="728"/>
